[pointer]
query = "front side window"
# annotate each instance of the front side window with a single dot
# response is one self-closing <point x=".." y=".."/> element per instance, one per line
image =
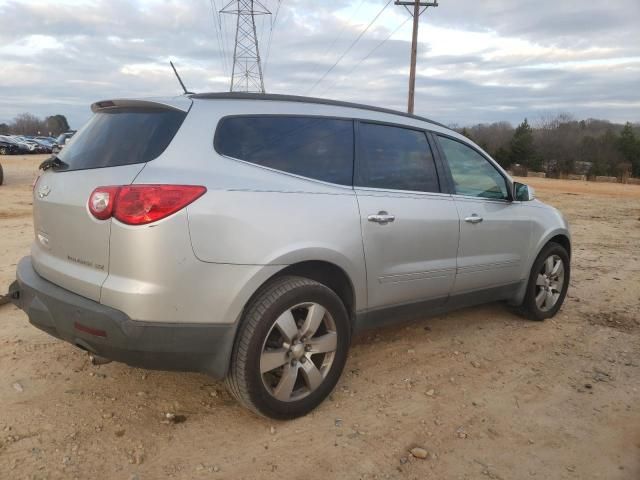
<point x="314" y="147"/>
<point x="395" y="158"/>
<point x="473" y="175"/>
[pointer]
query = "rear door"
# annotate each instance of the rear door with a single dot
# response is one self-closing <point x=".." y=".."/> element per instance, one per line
<point x="409" y="228"/>
<point x="494" y="231"/>
<point x="71" y="247"/>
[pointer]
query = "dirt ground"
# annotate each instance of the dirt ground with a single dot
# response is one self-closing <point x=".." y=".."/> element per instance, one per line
<point x="486" y="393"/>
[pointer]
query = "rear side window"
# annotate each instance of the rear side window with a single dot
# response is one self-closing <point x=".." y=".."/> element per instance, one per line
<point x="319" y="148"/>
<point x="122" y="137"/>
<point x="395" y="158"/>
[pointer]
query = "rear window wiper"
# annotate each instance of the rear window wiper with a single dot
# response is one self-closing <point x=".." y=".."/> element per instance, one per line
<point x="53" y="162"/>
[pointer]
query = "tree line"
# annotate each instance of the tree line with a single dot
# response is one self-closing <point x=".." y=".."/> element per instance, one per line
<point x="560" y="145"/>
<point x="29" y="124"/>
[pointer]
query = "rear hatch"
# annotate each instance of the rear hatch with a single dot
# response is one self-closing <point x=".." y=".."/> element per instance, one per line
<point x="71" y="247"/>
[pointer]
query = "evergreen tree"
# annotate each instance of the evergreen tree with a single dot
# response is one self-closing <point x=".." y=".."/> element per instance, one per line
<point x="57" y="124"/>
<point x="629" y="147"/>
<point x="522" y="148"/>
<point x="503" y="157"/>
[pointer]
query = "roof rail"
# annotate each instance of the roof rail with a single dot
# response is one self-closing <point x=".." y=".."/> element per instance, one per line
<point x="301" y="99"/>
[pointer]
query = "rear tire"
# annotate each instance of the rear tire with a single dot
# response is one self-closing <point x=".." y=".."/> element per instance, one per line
<point x="3" y="151"/>
<point x="548" y="283"/>
<point x="290" y="349"/>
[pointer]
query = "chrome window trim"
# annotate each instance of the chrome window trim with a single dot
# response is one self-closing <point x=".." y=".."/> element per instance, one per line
<point x="492" y="200"/>
<point x="396" y="193"/>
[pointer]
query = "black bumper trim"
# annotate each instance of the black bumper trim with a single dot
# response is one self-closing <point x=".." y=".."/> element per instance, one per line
<point x="76" y="319"/>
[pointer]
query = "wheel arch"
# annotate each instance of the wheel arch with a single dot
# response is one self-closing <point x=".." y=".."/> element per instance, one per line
<point x="322" y="271"/>
<point x="561" y="239"/>
<point x="326" y="272"/>
<point x="558" y="235"/>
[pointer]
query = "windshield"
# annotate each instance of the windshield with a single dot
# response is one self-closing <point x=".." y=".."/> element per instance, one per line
<point x="122" y="136"/>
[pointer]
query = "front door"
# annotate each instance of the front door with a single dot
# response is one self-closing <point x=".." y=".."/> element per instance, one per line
<point x="494" y="231"/>
<point x="409" y="228"/>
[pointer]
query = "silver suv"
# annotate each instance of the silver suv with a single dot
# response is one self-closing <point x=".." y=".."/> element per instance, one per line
<point x="249" y="236"/>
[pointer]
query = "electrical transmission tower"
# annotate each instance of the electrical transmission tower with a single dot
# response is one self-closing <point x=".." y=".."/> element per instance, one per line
<point x="416" y="4"/>
<point x="246" y="74"/>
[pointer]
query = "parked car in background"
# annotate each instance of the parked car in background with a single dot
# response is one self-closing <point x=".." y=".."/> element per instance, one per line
<point x="35" y="146"/>
<point x="8" y="147"/>
<point x="42" y="146"/>
<point x="61" y="141"/>
<point x="49" y="140"/>
<point x="21" y="147"/>
<point x="249" y="236"/>
<point x="26" y="144"/>
<point x="29" y="144"/>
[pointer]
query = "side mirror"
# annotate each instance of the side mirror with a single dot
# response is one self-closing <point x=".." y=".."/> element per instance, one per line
<point x="523" y="193"/>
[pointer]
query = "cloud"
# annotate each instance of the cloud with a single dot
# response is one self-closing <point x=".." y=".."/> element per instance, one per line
<point x="478" y="61"/>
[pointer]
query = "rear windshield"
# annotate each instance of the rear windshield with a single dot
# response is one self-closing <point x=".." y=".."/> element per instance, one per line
<point x="122" y="136"/>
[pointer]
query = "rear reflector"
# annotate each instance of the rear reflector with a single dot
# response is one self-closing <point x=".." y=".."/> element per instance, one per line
<point x="141" y="204"/>
<point x="91" y="331"/>
<point x="101" y="202"/>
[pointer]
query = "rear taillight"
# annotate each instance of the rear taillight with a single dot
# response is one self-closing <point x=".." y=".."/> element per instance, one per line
<point x="141" y="204"/>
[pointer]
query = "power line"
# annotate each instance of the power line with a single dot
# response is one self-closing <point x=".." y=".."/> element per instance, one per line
<point x="344" y="27"/>
<point x="349" y="48"/>
<point x="218" y="28"/>
<point x="338" y="37"/>
<point x="262" y="30"/>
<point x="226" y="41"/>
<point x="371" y="52"/>
<point x="215" y="27"/>
<point x="273" y="26"/>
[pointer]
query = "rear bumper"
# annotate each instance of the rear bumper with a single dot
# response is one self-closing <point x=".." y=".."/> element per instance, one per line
<point x="110" y="333"/>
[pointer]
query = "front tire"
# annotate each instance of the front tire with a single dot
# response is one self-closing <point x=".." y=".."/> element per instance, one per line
<point x="290" y="349"/>
<point x="548" y="283"/>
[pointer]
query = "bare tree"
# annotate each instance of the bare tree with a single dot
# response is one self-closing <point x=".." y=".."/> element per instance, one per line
<point x="27" y="124"/>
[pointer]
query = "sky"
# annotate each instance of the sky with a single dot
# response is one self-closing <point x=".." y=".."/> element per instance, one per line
<point x="478" y="61"/>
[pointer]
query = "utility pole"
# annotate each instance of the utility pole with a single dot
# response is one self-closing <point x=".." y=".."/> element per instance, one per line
<point x="246" y="74"/>
<point x="417" y="4"/>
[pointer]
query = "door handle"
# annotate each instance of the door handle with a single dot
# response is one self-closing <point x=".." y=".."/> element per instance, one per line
<point x="473" y="219"/>
<point x="382" y="218"/>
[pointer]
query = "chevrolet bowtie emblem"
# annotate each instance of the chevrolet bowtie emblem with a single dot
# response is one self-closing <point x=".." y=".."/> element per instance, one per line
<point x="43" y="191"/>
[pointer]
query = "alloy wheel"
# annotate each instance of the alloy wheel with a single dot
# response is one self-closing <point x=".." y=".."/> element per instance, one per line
<point x="298" y="352"/>
<point x="549" y="283"/>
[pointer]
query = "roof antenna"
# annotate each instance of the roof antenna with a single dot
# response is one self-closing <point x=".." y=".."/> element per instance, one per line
<point x="186" y="92"/>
